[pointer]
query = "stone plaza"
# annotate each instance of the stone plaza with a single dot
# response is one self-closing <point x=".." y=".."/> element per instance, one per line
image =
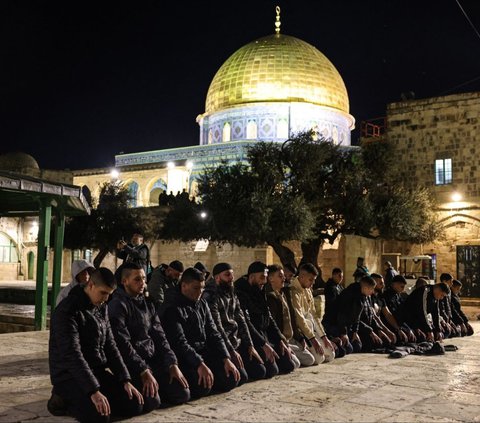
<point x="357" y="388"/>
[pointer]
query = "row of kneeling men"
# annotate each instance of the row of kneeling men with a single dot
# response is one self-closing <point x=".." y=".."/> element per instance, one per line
<point x="115" y="351"/>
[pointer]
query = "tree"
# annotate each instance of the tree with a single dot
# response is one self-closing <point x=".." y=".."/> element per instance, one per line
<point x="310" y="191"/>
<point x="110" y="220"/>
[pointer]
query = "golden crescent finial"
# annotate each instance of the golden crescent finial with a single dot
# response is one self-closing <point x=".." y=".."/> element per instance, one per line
<point x="277" y="20"/>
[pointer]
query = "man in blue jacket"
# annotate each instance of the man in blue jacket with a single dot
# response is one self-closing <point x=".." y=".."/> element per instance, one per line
<point x="81" y="348"/>
<point x="141" y="340"/>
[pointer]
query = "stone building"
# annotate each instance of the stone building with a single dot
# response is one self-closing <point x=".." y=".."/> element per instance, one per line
<point x="437" y="140"/>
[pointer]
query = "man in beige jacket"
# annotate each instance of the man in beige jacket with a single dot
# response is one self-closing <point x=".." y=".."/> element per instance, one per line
<point x="307" y="322"/>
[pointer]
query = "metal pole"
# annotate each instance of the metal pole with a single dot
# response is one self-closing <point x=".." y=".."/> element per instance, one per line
<point x="41" y="291"/>
<point x="57" y="258"/>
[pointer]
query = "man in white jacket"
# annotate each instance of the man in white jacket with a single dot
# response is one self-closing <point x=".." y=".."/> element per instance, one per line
<point x="81" y="271"/>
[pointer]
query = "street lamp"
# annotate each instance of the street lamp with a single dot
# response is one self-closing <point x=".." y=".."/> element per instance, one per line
<point x="203" y="214"/>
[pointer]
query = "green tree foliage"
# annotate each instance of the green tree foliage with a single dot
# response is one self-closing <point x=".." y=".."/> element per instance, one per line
<point x="310" y="191"/>
<point x="110" y="220"/>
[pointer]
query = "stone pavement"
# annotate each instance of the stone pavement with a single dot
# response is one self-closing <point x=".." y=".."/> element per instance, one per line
<point x="357" y="388"/>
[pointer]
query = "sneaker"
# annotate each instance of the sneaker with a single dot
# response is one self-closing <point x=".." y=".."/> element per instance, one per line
<point x="56" y="406"/>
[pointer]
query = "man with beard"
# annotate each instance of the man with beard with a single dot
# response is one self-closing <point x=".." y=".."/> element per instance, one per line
<point x="230" y="320"/>
<point x="267" y="338"/>
<point x="141" y="340"/>
<point x="193" y="336"/>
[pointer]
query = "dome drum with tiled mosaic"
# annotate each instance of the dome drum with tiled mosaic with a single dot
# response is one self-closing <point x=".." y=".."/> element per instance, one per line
<point x="273" y="87"/>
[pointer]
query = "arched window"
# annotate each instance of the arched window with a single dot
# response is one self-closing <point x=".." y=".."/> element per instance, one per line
<point x="251" y="130"/>
<point x="226" y="132"/>
<point x="8" y="249"/>
<point x="282" y="129"/>
<point x="133" y="192"/>
<point x="158" y="187"/>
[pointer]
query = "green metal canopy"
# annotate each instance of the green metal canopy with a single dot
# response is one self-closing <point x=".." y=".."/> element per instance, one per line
<point x="22" y="195"/>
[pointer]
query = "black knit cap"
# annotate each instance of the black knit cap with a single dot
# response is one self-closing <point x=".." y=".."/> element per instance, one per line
<point x="220" y="267"/>
<point x="257" y="267"/>
<point x="200" y="266"/>
<point x="177" y="265"/>
<point x="399" y="278"/>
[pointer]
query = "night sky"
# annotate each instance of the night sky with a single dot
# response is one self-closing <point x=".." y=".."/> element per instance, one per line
<point x="82" y="81"/>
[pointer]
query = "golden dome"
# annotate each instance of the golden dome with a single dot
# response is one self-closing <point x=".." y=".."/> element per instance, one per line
<point x="277" y="68"/>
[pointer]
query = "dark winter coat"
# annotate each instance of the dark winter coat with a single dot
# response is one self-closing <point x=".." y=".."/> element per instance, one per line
<point x="255" y="307"/>
<point x="459" y="316"/>
<point x="418" y="305"/>
<point x="81" y="342"/>
<point x="159" y="284"/>
<point x="139" y="254"/>
<point x="227" y="315"/>
<point x="331" y="292"/>
<point x="190" y="329"/>
<point x="350" y="308"/>
<point x="138" y="333"/>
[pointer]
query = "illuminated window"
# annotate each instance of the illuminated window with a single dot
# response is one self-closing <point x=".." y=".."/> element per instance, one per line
<point x="282" y="129"/>
<point x="251" y="130"/>
<point x="443" y="171"/>
<point x="8" y="249"/>
<point x="158" y="187"/>
<point x="226" y="132"/>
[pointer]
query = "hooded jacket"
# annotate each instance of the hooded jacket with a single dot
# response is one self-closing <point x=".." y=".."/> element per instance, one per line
<point x="190" y="329"/>
<point x="138" y="332"/>
<point x="332" y="291"/>
<point x="159" y="284"/>
<point x="81" y="341"/>
<point x="78" y="266"/>
<point x="255" y="307"/>
<point x="227" y="315"/>
<point x="351" y="302"/>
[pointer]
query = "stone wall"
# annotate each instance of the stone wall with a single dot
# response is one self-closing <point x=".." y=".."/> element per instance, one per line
<point x="442" y="128"/>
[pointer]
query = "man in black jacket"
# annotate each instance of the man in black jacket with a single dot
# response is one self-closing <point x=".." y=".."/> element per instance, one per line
<point x="164" y="277"/>
<point x="81" y="348"/>
<point x="447" y="324"/>
<point x="460" y="319"/>
<point x="421" y="311"/>
<point x="267" y="338"/>
<point x="134" y="252"/>
<point x="141" y="340"/>
<point x="351" y="304"/>
<point x="193" y="336"/>
<point x="333" y="288"/>
<point x="230" y="321"/>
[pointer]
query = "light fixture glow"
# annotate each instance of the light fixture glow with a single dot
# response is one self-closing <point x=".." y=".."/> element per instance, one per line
<point x="456" y="196"/>
<point x="203" y="215"/>
<point x="170" y="165"/>
<point x="114" y="174"/>
<point x="189" y="165"/>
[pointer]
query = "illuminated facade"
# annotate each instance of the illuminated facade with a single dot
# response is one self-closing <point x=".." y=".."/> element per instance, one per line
<point x="268" y="90"/>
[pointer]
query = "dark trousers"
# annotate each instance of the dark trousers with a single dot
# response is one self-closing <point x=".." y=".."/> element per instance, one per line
<point x="367" y="343"/>
<point x="254" y="369"/>
<point x="170" y="393"/>
<point x="221" y="382"/>
<point x="332" y="332"/>
<point x="80" y="405"/>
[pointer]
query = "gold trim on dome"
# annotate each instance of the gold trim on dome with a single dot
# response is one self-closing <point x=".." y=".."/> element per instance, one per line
<point x="277" y="68"/>
<point x="277" y="20"/>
